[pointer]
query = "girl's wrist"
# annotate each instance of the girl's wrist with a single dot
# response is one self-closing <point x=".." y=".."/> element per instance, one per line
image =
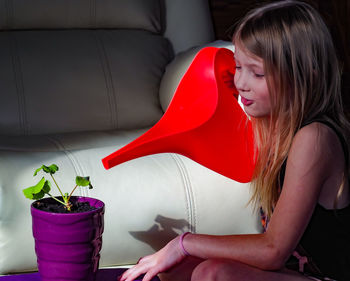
<point x="181" y="243"/>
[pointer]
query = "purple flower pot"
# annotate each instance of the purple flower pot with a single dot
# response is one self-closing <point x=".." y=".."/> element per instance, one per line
<point x="68" y="245"/>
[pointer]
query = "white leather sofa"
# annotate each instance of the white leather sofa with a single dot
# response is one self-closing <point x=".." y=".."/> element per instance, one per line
<point x="80" y="79"/>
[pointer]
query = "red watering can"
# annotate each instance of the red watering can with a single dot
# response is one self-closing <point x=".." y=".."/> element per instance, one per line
<point x="203" y="122"/>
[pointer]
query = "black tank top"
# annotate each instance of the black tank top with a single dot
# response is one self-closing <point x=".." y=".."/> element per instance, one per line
<point x="326" y="240"/>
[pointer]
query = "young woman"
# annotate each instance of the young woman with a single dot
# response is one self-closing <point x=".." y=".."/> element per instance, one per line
<point x="288" y="78"/>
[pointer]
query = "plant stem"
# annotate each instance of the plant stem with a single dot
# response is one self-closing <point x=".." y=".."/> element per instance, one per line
<point x="72" y="192"/>
<point x="57" y="186"/>
<point x="57" y="199"/>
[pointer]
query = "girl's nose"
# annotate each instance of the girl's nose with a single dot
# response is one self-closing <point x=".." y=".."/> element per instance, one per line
<point x="241" y="81"/>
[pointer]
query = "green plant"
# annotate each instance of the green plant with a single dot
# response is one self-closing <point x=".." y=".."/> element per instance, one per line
<point x="43" y="187"/>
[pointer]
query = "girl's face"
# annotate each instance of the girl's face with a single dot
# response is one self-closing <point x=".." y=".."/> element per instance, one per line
<point x="251" y="84"/>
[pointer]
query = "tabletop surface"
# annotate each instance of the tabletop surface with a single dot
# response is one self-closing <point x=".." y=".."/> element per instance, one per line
<point x="102" y="275"/>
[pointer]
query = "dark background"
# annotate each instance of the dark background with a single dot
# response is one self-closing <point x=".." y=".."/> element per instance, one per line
<point x="336" y="14"/>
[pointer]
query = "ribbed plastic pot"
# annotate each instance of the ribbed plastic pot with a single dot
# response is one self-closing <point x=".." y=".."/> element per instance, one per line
<point x="68" y="245"/>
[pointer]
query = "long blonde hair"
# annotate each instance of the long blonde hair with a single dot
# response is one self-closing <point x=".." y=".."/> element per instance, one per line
<point x="303" y="79"/>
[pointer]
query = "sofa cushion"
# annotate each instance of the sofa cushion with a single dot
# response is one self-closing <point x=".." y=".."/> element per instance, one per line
<point x="60" y="14"/>
<point x="80" y="80"/>
<point x="148" y="200"/>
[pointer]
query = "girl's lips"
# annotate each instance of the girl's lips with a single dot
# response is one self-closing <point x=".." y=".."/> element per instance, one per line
<point x="246" y="102"/>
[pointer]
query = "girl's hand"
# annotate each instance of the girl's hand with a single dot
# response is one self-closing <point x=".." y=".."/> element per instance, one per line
<point x="160" y="261"/>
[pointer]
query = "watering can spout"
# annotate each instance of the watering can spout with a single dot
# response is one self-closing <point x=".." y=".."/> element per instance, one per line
<point x="203" y="122"/>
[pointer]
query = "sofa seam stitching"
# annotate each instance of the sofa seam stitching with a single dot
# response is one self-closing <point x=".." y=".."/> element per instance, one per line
<point x="191" y="208"/>
<point x="108" y="80"/>
<point x="93" y="20"/>
<point x="17" y="71"/>
<point x="188" y="203"/>
<point x="10" y="13"/>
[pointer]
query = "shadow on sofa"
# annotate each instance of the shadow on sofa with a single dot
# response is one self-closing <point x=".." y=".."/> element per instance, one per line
<point x="161" y="232"/>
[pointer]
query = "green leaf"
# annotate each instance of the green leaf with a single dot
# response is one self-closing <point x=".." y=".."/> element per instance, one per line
<point x="82" y="181"/>
<point x="37" y="191"/>
<point x="37" y="170"/>
<point x="47" y="187"/>
<point x="53" y="168"/>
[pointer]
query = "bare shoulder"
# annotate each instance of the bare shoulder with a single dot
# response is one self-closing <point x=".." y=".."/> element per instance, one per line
<point x="317" y="147"/>
<point x="317" y="154"/>
<point x="317" y="137"/>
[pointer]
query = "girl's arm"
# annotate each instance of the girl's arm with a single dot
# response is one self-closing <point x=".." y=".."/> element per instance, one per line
<point x="309" y="166"/>
<point x="308" y="169"/>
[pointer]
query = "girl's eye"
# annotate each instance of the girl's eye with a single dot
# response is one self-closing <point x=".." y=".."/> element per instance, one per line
<point x="259" y="75"/>
<point x="238" y="67"/>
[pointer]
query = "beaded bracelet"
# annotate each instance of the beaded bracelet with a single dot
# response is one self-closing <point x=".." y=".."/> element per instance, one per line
<point x="182" y="245"/>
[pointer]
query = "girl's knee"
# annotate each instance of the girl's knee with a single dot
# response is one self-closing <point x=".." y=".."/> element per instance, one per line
<point x="209" y="270"/>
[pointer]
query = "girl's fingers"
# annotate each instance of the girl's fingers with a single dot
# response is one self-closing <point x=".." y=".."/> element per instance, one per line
<point x="141" y="267"/>
<point x="131" y="273"/>
<point x="149" y="275"/>
<point x="160" y="261"/>
<point x="132" y="276"/>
